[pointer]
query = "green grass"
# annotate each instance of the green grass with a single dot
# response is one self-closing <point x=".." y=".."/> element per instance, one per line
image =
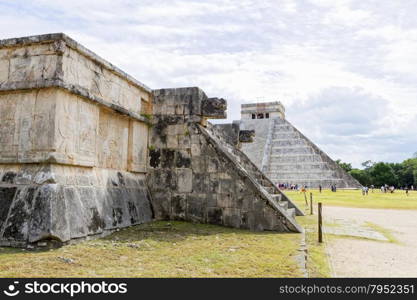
<point x="354" y="198"/>
<point x="162" y="249"/>
<point x="317" y="261"/>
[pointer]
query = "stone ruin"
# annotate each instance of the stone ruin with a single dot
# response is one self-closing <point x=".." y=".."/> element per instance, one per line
<point x="86" y="149"/>
<point x="286" y="155"/>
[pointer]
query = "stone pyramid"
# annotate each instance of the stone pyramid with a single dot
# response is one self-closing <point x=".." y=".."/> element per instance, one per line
<point x="286" y="155"/>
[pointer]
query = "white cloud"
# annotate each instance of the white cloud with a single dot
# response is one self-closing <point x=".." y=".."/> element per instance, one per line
<point x="297" y="52"/>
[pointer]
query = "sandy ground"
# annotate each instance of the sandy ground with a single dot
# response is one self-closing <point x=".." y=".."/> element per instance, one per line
<point x="366" y="258"/>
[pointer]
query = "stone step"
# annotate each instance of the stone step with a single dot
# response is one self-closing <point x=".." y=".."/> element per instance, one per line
<point x="307" y="167"/>
<point x="285" y="135"/>
<point x="288" y="143"/>
<point x="298" y="180"/>
<point x="291" y="212"/>
<point x="295" y="158"/>
<point x="292" y="150"/>
<point x="294" y="178"/>
<point x="264" y="183"/>
<point x="284" y="128"/>
<point x="283" y="204"/>
<point x="306" y="164"/>
<point x="277" y="197"/>
<point x="280" y="121"/>
<point x="270" y="190"/>
<point x="299" y="173"/>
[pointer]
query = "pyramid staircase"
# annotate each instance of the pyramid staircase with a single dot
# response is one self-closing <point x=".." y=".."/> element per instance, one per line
<point x="264" y="183"/>
<point x="294" y="159"/>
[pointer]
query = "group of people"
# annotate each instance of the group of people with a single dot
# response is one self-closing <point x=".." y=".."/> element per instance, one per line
<point x="365" y="189"/>
<point x="385" y="189"/>
<point x="299" y="187"/>
<point x="287" y="186"/>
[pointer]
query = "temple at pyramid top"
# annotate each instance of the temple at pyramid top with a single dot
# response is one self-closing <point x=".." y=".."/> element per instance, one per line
<point x="264" y="110"/>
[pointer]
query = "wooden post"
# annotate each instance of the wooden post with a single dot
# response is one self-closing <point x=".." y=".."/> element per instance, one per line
<point x="311" y="203"/>
<point x="320" y="224"/>
<point x="305" y="198"/>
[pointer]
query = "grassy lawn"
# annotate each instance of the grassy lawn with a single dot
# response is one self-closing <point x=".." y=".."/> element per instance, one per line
<point x="163" y="249"/>
<point x="354" y="198"/>
<point x="317" y="261"/>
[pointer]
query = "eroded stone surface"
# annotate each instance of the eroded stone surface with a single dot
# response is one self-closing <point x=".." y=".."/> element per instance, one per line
<point x="77" y="204"/>
<point x="73" y="146"/>
<point x="78" y="158"/>
<point x="195" y="175"/>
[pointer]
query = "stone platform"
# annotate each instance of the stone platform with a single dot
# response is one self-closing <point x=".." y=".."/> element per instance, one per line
<point x="86" y="149"/>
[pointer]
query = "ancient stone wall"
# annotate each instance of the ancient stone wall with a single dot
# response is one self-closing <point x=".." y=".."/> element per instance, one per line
<point x="262" y="110"/>
<point x="86" y="149"/>
<point x="73" y="142"/>
<point x="193" y="176"/>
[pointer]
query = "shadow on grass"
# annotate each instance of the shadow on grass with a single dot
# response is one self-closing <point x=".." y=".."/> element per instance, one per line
<point x="157" y="231"/>
<point x="175" y="231"/>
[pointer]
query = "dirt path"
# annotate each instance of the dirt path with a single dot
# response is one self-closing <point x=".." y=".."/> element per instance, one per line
<point x="352" y="257"/>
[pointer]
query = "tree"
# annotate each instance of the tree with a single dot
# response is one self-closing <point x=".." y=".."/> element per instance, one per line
<point x="408" y="173"/>
<point x="362" y="176"/>
<point x="345" y="166"/>
<point x="368" y="164"/>
<point x="382" y="173"/>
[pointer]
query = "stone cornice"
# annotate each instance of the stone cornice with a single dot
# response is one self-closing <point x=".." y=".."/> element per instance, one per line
<point x="73" y="89"/>
<point x="57" y="37"/>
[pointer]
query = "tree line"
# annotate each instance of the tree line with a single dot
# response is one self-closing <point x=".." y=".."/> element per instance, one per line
<point x="400" y="175"/>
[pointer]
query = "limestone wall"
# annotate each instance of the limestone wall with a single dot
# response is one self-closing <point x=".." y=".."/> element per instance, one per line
<point x="257" y="150"/>
<point x="50" y="202"/>
<point x="73" y="142"/>
<point x="86" y="149"/>
<point x="262" y="110"/>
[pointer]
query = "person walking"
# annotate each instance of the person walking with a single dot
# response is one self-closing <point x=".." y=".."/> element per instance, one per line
<point x="320" y="188"/>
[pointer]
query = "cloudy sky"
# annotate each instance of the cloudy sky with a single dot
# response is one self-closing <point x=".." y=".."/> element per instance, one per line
<point x="346" y="70"/>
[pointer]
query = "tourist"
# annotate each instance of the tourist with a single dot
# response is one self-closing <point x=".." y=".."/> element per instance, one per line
<point x="365" y="191"/>
<point x="320" y="188"/>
